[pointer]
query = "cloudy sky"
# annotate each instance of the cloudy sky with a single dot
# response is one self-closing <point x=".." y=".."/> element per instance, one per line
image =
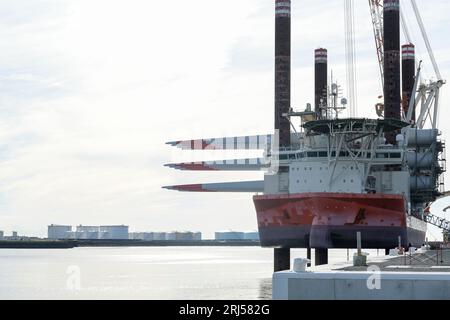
<point x="90" y="90"/>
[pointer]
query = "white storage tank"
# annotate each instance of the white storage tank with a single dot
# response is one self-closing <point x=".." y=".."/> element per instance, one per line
<point x="147" y="236"/>
<point x="184" y="236"/>
<point x="251" y="235"/>
<point x="56" y="232"/>
<point x="197" y="236"/>
<point x="83" y="229"/>
<point x="171" y="236"/>
<point x="159" y="236"/>
<point x="114" y="232"/>
<point x="229" y="235"/>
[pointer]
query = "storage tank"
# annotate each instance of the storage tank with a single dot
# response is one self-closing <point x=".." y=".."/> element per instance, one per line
<point x="83" y="229"/>
<point x="159" y="236"/>
<point x="251" y="235"/>
<point x="229" y="235"/>
<point x="421" y="137"/>
<point x="420" y="160"/>
<point x="58" y="231"/>
<point x="147" y="236"/>
<point x="171" y="236"/>
<point x="114" y="232"/>
<point x="184" y="236"/>
<point x="422" y="182"/>
<point x="197" y="236"/>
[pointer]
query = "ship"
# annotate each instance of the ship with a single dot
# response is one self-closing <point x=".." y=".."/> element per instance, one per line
<point x="334" y="177"/>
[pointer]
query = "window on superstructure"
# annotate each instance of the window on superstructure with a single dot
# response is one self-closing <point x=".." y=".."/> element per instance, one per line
<point x="323" y="154"/>
<point x="395" y="155"/>
<point x="382" y="155"/>
<point x="312" y="154"/>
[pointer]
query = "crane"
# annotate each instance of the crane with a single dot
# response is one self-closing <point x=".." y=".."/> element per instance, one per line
<point x="376" y="12"/>
<point x="428" y="94"/>
<point x="350" y="55"/>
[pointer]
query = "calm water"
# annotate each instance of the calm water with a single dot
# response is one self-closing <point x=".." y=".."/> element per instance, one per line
<point x="140" y="273"/>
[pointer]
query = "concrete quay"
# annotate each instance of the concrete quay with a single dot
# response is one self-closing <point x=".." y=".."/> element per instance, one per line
<point x="424" y="275"/>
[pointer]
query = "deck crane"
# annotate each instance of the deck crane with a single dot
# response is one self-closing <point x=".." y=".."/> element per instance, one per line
<point x="350" y="56"/>
<point x="376" y="11"/>
<point x="427" y="94"/>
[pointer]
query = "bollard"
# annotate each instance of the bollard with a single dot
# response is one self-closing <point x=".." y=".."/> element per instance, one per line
<point x="308" y="256"/>
<point x="359" y="260"/>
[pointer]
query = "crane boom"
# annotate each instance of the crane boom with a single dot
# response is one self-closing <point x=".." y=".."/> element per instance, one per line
<point x="426" y="39"/>
<point x="376" y="11"/>
<point x="350" y="55"/>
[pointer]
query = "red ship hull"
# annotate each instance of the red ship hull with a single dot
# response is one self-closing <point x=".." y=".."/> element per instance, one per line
<point x="332" y="220"/>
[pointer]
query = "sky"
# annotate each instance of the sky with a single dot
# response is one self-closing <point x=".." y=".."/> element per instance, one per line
<point x="90" y="91"/>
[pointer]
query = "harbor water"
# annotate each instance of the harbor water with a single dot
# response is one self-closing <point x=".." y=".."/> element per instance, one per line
<point x="142" y="273"/>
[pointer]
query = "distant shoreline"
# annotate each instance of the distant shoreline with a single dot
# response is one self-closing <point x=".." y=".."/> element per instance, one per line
<point x="69" y="244"/>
